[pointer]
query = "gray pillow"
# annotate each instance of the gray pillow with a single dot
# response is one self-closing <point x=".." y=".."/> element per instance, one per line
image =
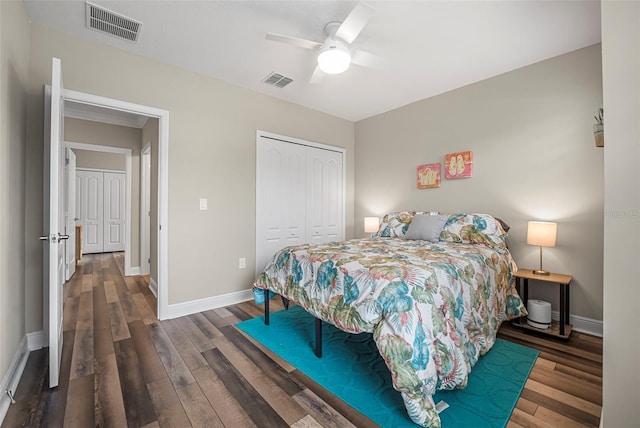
<point x="426" y="227"/>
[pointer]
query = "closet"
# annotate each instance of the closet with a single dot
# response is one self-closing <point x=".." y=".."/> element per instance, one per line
<point x="100" y="208"/>
<point x="299" y="194"/>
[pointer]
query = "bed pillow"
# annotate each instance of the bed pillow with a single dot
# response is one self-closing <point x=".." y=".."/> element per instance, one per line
<point x="474" y="229"/>
<point x="426" y="227"/>
<point x="396" y="224"/>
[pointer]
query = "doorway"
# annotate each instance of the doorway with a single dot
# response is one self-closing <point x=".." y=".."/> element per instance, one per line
<point x="161" y="208"/>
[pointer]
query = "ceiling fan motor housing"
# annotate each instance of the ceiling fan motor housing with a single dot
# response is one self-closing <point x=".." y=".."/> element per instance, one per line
<point x="334" y="57"/>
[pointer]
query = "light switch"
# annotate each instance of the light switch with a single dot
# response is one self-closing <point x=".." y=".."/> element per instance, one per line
<point x="203" y="204"/>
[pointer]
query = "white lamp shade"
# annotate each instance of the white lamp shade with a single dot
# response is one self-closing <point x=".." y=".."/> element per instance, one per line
<point x="542" y="233"/>
<point x="334" y="58"/>
<point x="371" y="224"/>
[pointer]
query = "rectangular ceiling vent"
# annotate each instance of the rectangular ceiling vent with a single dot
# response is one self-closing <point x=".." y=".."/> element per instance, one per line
<point x="115" y="24"/>
<point x="277" y="80"/>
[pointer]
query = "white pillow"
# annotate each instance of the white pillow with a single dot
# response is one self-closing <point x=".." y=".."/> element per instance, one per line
<point x="426" y="227"/>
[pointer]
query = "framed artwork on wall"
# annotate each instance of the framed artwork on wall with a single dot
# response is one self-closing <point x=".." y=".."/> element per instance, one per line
<point x="429" y="176"/>
<point x="458" y="165"/>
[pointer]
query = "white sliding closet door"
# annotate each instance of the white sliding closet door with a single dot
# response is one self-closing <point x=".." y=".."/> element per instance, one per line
<point x="299" y="195"/>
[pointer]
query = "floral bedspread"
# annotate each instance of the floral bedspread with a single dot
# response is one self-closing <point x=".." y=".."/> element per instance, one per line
<point x="433" y="308"/>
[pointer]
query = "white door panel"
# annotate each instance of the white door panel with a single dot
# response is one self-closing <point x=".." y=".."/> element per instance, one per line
<point x="54" y="220"/>
<point x="114" y="211"/>
<point x="70" y="213"/>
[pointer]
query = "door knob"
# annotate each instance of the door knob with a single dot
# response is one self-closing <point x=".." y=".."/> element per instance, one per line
<point x="61" y="237"/>
<point x="44" y="238"/>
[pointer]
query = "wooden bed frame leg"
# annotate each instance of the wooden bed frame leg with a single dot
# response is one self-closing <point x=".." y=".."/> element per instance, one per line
<point x="266" y="307"/>
<point x="318" y="338"/>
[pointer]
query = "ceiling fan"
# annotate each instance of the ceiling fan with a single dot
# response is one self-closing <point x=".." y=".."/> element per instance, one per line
<point x="335" y="54"/>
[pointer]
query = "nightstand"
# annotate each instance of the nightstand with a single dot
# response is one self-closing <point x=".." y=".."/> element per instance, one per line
<point x="559" y="329"/>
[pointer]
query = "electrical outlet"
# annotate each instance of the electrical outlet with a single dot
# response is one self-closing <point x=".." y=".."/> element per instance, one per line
<point x="242" y="263"/>
<point x="203" y="205"/>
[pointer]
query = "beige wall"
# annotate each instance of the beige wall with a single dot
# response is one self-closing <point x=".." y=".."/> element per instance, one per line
<point x="100" y="160"/>
<point x="14" y="74"/>
<point x="621" y="84"/>
<point x="212" y="138"/>
<point x="104" y="134"/>
<point x="534" y="158"/>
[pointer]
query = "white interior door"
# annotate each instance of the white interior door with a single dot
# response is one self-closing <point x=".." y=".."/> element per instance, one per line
<point x="91" y="210"/>
<point x="114" y="212"/>
<point x="54" y="259"/>
<point x="70" y="213"/>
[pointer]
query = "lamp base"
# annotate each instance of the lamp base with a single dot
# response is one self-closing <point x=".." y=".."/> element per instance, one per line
<point x="541" y="272"/>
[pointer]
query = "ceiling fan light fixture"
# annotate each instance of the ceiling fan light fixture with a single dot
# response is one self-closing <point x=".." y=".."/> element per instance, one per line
<point x="334" y="58"/>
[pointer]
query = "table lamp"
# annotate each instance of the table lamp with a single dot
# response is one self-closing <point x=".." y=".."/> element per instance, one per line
<point x="371" y="224"/>
<point x="542" y="234"/>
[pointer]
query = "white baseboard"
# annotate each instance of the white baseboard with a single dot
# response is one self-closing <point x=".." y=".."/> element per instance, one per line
<point x="35" y="340"/>
<point x="153" y="286"/>
<point x="201" y="305"/>
<point x="582" y="324"/>
<point x="12" y="377"/>
<point x="131" y="270"/>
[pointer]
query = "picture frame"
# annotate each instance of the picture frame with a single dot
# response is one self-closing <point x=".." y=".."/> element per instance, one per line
<point x="458" y="165"/>
<point x="428" y="175"/>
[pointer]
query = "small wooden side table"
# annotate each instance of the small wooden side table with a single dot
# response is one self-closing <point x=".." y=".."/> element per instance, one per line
<point x="559" y="329"/>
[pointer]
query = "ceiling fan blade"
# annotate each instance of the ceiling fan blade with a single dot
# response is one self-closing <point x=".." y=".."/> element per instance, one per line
<point x="301" y="43"/>
<point x="355" y="22"/>
<point x="366" y="59"/>
<point x="317" y="76"/>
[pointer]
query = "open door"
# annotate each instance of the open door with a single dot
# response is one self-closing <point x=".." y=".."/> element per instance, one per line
<point x="70" y="213"/>
<point x="54" y="220"/>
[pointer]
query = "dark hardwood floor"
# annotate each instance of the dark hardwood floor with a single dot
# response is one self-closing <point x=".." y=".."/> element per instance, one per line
<point x="122" y="367"/>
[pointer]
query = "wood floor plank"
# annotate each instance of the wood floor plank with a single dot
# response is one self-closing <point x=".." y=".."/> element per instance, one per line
<point x="80" y="402"/>
<point x="568" y="384"/>
<point x="224" y="403"/>
<point x="526" y="420"/>
<point x="70" y="311"/>
<point x="197" y="407"/>
<point x="119" y="327"/>
<point x="138" y="406"/>
<point x="84" y="319"/>
<point x="196" y="336"/>
<point x="254" y="404"/>
<point x="109" y="405"/>
<point x="568" y="399"/>
<point x="205" y="325"/>
<point x="147" y="314"/>
<point x="152" y="369"/>
<point x="132" y="284"/>
<point x="557" y="419"/>
<point x="83" y="357"/>
<point x="52" y="406"/>
<point x="189" y="353"/>
<point x="171" y="360"/>
<point x="167" y="404"/>
<point x="87" y="283"/>
<point x="111" y="292"/>
<point x="321" y="411"/>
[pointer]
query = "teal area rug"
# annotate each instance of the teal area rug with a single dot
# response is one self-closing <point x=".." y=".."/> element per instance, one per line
<point x="352" y="369"/>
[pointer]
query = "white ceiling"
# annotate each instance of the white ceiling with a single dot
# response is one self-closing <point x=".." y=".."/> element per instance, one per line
<point x="427" y="47"/>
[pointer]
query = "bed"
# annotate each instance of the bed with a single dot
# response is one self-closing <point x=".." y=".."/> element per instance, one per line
<point x="432" y="288"/>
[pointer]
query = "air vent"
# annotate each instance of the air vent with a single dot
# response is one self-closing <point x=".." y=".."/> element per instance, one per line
<point x="277" y="80"/>
<point x="106" y="21"/>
